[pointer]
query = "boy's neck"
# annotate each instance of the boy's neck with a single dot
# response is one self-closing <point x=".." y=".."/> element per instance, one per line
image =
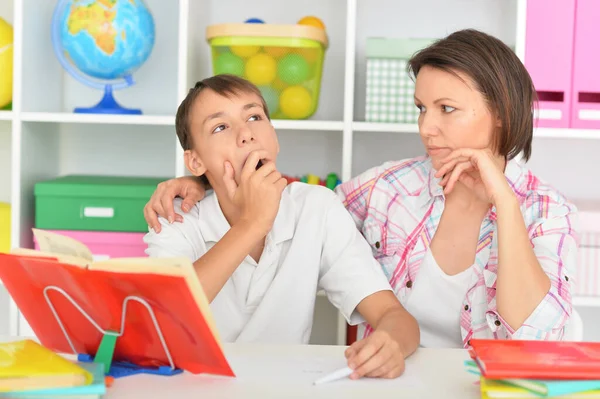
<point x="230" y="211"/>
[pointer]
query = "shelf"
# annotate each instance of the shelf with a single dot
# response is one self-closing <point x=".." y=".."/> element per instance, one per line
<point x="66" y="117"/>
<point x="385" y="127"/>
<point x="286" y="124"/>
<point x="6" y="115"/>
<point x="587" y="301"/>
<point x="542" y="132"/>
<point x="565" y="133"/>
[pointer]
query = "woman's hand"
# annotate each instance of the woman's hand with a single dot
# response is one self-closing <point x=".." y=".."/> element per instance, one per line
<point x="161" y="202"/>
<point x="479" y="170"/>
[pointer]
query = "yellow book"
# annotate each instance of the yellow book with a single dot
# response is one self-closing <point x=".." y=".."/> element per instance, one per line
<point x="27" y="365"/>
<point x="494" y="389"/>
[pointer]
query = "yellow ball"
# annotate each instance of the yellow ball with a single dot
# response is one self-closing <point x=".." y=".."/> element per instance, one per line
<point x="295" y="102"/>
<point x="6" y="63"/>
<point x="312" y="21"/>
<point x="261" y="69"/>
<point x="245" y="51"/>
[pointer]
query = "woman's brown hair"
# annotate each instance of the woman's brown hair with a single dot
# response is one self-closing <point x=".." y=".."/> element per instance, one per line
<point x="498" y="75"/>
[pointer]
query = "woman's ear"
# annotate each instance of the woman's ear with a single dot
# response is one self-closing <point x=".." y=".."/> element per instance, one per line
<point x="193" y="163"/>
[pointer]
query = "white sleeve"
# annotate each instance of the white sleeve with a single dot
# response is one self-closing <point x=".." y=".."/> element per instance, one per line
<point x="349" y="272"/>
<point x="177" y="239"/>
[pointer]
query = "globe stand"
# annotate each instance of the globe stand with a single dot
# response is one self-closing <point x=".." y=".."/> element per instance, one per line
<point x="108" y="105"/>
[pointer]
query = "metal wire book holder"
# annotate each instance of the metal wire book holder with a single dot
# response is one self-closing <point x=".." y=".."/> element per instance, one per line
<point x="104" y="354"/>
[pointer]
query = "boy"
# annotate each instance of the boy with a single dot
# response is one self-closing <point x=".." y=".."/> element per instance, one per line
<point x="262" y="248"/>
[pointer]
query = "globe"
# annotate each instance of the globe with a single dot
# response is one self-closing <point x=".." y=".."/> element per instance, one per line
<point x="101" y="43"/>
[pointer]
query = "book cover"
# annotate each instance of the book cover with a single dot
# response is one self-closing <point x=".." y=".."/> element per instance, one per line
<point x="61" y="282"/>
<point x="561" y="360"/>
<point x="95" y="389"/>
<point x="545" y="388"/>
<point x="25" y="364"/>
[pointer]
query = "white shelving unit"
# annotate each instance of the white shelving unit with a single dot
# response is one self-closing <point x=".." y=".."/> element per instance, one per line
<point x="46" y="139"/>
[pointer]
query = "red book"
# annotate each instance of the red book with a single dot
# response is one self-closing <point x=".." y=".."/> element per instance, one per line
<point x="169" y="286"/>
<point x="504" y="359"/>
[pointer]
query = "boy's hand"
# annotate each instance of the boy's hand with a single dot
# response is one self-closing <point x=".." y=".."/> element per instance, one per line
<point x="161" y="202"/>
<point x="378" y="355"/>
<point x="259" y="192"/>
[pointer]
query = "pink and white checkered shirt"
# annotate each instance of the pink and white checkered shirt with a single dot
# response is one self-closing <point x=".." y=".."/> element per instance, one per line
<point x="398" y="205"/>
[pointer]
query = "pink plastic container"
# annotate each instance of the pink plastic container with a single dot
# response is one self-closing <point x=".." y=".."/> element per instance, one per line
<point x="585" y="112"/>
<point x="548" y="57"/>
<point x="105" y="245"/>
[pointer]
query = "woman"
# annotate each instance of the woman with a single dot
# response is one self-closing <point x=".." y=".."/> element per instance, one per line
<point x="474" y="245"/>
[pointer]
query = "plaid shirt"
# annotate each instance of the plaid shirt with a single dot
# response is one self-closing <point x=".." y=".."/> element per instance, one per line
<point x="398" y="205"/>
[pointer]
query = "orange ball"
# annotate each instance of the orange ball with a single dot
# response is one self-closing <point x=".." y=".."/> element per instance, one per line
<point x="276" y="52"/>
<point x="312" y="21"/>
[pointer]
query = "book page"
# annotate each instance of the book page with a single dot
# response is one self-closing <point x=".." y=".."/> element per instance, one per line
<point x="164" y="266"/>
<point x="58" y="244"/>
<point x="70" y="260"/>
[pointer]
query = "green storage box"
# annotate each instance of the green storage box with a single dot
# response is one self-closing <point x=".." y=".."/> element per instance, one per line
<point x="93" y="203"/>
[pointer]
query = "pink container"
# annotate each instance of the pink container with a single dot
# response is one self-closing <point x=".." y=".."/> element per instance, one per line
<point x="585" y="112"/>
<point x="105" y="245"/>
<point x="548" y="58"/>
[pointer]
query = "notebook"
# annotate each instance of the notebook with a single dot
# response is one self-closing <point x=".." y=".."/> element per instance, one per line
<point x="25" y="364"/>
<point x="91" y="391"/>
<point x="505" y="359"/>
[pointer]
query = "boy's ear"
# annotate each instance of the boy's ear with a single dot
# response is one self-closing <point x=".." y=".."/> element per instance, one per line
<point x="194" y="163"/>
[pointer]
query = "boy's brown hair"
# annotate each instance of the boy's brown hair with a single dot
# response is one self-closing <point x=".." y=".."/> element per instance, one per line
<point x="224" y="85"/>
<point x="499" y="76"/>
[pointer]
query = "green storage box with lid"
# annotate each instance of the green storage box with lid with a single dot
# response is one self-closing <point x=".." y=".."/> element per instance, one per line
<point x="94" y="203"/>
<point x="390" y="89"/>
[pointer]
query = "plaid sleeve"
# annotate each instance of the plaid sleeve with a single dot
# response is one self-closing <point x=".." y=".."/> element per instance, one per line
<point x="355" y="194"/>
<point x="554" y="241"/>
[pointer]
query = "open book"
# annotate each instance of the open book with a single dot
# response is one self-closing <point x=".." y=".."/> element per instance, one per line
<point x="61" y="284"/>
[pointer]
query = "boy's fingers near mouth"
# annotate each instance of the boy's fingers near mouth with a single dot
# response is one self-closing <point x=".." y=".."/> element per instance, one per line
<point x="229" y="180"/>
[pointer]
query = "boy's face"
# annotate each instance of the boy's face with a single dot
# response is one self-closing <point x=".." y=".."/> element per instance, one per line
<point x="228" y="129"/>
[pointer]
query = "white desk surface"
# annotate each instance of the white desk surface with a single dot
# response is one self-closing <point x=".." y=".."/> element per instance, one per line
<point x="265" y="371"/>
<point x="288" y="371"/>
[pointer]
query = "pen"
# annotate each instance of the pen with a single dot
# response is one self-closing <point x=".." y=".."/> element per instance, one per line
<point x="336" y="375"/>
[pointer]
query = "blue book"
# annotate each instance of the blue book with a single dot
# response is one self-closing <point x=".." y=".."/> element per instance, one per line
<point x="92" y="391"/>
<point x="545" y="388"/>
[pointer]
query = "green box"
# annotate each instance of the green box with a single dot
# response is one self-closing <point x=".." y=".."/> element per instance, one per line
<point x="94" y="203"/>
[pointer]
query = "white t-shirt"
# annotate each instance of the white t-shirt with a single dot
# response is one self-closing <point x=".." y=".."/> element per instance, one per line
<point x="314" y="244"/>
<point x="435" y="302"/>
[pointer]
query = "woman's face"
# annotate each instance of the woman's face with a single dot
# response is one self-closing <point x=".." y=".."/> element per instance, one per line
<point x="453" y="115"/>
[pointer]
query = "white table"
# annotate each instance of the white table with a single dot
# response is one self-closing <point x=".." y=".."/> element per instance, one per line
<point x="266" y="371"/>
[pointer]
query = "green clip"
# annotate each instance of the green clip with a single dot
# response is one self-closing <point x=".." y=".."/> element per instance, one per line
<point x="106" y="350"/>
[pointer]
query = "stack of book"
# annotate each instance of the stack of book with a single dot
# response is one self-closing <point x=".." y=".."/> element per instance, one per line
<point x="29" y="370"/>
<point x="534" y="369"/>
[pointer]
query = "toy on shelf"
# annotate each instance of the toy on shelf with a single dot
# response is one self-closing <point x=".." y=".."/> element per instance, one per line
<point x="284" y="61"/>
<point x="331" y="181"/>
<point x="6" y="65"/>
<point x="101" y="43"/>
